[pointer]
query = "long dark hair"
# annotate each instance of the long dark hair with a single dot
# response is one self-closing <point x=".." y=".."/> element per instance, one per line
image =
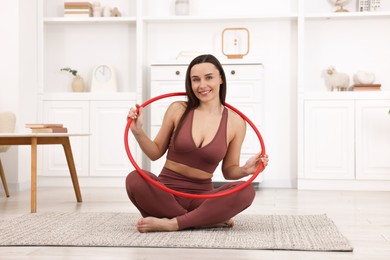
<point x="192" y="101"/>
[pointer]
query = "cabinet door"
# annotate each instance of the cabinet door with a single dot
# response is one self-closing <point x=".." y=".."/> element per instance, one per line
<point x="107" y="150"/>
<point x="329" y="139"/>
<point x="373" y="140"/>
<point x="75" y="116"/>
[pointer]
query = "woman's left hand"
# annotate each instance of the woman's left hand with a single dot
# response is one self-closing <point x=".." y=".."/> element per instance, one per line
<point x="253" y="163"/>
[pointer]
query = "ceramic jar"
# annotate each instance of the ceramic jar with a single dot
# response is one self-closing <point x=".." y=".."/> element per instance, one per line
<point x="78" y="84"/>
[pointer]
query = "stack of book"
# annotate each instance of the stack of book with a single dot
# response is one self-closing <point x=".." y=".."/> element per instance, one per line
<point x="366" y="87"/>
<point x="47" y="128"/>
<point x="77" y="9"/>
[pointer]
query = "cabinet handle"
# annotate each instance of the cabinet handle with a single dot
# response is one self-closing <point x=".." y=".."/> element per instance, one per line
<point x="233" y="72"/>
<point x="177" y="72"/>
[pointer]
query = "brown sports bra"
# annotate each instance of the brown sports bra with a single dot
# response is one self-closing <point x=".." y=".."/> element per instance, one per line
<point x="205" y="158"/>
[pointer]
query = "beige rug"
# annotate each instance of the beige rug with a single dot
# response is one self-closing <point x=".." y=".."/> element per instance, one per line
<point x="276" y="232"/>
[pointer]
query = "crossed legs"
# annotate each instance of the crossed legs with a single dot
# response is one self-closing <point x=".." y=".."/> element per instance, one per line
<point x="163" y="211"/>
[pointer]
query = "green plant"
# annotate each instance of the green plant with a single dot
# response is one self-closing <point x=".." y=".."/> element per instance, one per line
<point x="74" y="72"/>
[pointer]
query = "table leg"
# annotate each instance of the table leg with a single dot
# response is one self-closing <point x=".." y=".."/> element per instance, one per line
<point x="72" y="168"/>
<point x="3" y="179"/>
<point x="33" y="175"/>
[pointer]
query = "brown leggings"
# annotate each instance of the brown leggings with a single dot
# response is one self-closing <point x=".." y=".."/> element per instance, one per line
<point x="152" y="201"/>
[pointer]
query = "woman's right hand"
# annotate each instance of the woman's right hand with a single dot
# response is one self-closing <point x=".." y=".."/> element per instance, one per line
<point x="137" y="117"/>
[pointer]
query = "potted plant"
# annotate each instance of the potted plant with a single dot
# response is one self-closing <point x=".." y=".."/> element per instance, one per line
<point x="77" y="82"/>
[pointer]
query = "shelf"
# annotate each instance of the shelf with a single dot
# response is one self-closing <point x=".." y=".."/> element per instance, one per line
<point x="89" y="20"/>
<point x="347" y="95"/>
<point x="348" y="15"/>
<point x="205" y="19"/>
<point x="89" y="96"/>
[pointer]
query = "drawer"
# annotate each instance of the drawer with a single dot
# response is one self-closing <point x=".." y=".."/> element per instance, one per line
<point x="172" y="73"/>
<point x="238" y="91"/>
<point x="158" y="109"/>
<point x="243" y="72"/>
<point x="163" y="87"/>
<point x="243" y="91"/>
<point x="253" y="111"/>
<point x="232" y="72"/>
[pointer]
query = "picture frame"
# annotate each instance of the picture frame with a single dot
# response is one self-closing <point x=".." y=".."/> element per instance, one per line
<point x="235" y="42"/>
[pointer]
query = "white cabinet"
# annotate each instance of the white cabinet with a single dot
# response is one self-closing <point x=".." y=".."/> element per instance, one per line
<point x="245" y="91"/>
<point x="107" y="151"/>
<point x="340" y="140"/>
<point x="102" y="154"/>
<point x="346" y="142"/>
<point x="373" y="140"/>
<point x="74" y="115"/>
<point x="329" y="139"/>
<point x="295" y="39"/>
<point x="83" y="43"/>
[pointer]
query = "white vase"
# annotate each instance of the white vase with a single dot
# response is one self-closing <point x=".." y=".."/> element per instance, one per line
<point x="182" y="7"/>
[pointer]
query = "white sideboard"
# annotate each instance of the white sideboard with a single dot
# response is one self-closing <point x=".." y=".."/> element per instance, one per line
<point x="102" y="154"/>
<point x="346" y="141"/>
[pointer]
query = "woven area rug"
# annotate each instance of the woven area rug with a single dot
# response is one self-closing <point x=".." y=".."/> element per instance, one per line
<point x="276" y="232"/>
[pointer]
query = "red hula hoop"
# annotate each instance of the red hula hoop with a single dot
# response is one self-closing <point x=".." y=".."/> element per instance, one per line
<point x="189" y="195"/>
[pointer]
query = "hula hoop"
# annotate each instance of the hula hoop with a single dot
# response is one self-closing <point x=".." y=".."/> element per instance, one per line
<point x="184" y="194"/>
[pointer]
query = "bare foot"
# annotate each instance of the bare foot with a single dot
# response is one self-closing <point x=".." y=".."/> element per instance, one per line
<point x="152" y="224"/>
<point x="226" y="224"/>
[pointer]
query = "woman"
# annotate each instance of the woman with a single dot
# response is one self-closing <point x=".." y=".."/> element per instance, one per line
<point x="198" y="134"/>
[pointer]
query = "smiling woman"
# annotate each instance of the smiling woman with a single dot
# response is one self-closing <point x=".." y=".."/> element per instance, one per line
<point x="183" y="194"/>
<point x="197" y="135"/>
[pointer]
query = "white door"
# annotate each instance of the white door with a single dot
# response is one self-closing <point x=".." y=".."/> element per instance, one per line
<point x="373" y="140"/>
<point x="107" y="147"/>
<point x="329" y="139"/>
<point x="74" y="115"/>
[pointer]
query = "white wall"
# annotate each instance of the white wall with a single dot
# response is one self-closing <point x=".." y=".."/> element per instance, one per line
<point x="272" y="42"/>
<point x="9" y="79"/>
<point x="28" y="73"/>
<point x="18" y="81"/>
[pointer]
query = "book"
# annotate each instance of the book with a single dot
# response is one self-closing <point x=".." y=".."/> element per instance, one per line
<point x="86" y="10"/>
<point x="78" y="12"/>
<point x="50" y="130"/>
<point x="366" y="87"/>
<point x="77" y="5"/>
<point x="44" y="125"/>
<point x="77" y="15"/>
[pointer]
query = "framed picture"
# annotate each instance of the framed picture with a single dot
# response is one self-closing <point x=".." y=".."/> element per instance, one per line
<point x="235" y="42"/>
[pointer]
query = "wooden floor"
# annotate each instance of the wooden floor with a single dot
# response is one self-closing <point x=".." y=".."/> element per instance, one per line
<point x="363" y="217"/>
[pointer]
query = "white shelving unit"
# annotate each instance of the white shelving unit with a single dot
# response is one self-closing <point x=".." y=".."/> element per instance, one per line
<point x="294" y="40"/>
<point x="332" y="140"/>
